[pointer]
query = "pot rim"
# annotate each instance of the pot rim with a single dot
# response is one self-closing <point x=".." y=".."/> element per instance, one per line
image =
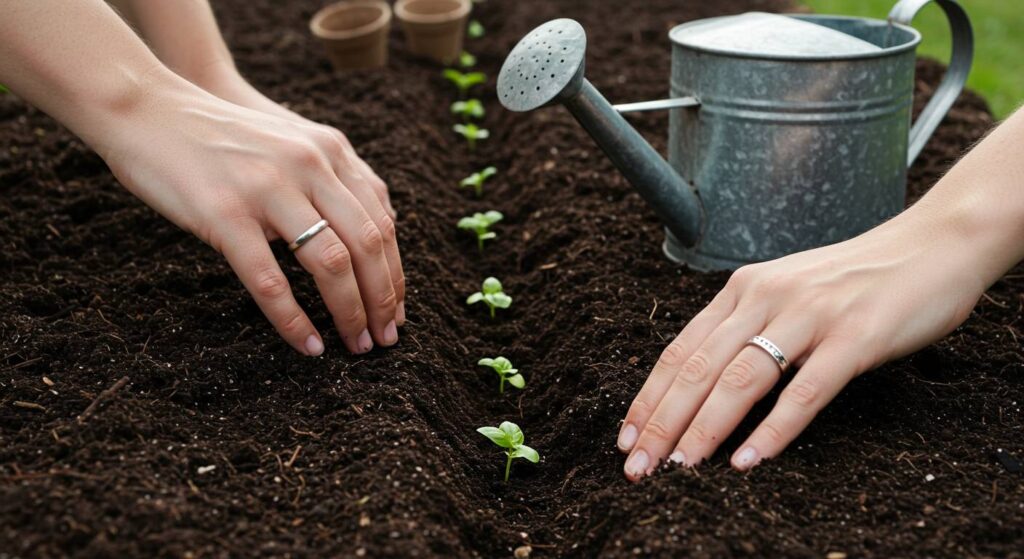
<point x="887" y="51"/>
<point x="316" y="24"/>
<point x="403" y="13"/>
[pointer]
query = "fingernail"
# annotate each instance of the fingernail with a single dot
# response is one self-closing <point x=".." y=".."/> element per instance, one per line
<point x="637" y="464"/>
<point x="314" y="346"/>
<point x="745" y="458"/>
<point x="390" y="333"/>
<point x="678" y="457"/>
<point x="365" y="342"/>
<point x="400" y="313"/>
<point x="627" y="437"/>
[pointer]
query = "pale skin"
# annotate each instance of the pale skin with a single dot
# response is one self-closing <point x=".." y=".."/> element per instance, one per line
<point x="182" y="130"/>
<point x="836" y="311"/>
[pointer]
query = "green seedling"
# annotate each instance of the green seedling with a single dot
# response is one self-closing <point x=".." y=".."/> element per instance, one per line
<point x="480" y="224"/>
<point x="471" y="133"/>
<point x="467" y="60"/>
<point x="491" y="294"/>
<point x="505" y="372"/>
<point x="477" y="180"/>
<point x="464" y="82"/>
<point x="468" y="109"/>
<point x="3" y="89"/>
<point x="475" y="30"/>
<point x="509" y="436"/>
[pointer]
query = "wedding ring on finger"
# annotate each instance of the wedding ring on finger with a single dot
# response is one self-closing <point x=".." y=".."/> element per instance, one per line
<point x="772" y="350"/>
<point x="307" y="235"/>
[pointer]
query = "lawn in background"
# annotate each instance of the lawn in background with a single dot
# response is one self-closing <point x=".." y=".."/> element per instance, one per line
<point x="998" y="71"/>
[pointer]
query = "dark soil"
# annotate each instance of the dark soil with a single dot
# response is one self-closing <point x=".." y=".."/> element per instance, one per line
<point x="377" y="455"/>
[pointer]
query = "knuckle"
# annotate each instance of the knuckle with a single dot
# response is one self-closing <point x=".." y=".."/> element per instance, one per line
<point x="656" y="429"/>
<point x="271" y="284"/>
<point x="695" y="370"/>
<point x="399" y="287"/>
<point x="674" y="355"/>
<point x="743" y="276"/>
<point x="370" y="238"/>
<point x="386" y="227"/>
<point x="295" y="323"/>
<point x="307" y="155"/>
<point x="772" y="433"/>
<point x="641" y="407"/>
<point x="739" y="376"/>
<point x="335" y="259"/>
<point x="699" y="434"/>
<point x="804" y="393"/>
<point x="354" y="317"/>
<point x="388" y="300"/>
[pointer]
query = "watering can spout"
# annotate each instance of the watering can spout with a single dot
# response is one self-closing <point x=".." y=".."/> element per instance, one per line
<point x="546" y="67"/>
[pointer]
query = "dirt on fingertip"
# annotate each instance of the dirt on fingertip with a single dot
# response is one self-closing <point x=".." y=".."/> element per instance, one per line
<point x="226" y="443"/>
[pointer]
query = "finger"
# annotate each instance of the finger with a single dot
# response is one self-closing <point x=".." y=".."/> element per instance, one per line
<point x="359" y="186"/>
<point x="367" y="244"/>
<point x="668" y="366"/>
<point x="245" y="248"/>
<point x="688" y="390"/>
<point x="329" y="261"/>
<point x="747" y="379"/>
<point x="829" y="368"/>
<point x="380" y="188"/>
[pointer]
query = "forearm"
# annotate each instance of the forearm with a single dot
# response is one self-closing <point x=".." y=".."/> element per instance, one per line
<point x="981" y="200"/>
<point x="184" y="35"/>
<point x="77" y="61"/>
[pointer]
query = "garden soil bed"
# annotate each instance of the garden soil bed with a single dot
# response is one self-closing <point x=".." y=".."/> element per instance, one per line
<point x="377" y="455"/>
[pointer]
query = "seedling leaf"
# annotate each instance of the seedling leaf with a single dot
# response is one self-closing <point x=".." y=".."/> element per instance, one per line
<point x="472" y="108"/>
<point x="464" y="81"/>
<point x="517" y="381"/>
<point x="497" y="436"/>
<point x="477" y="180"/>
<point x="523" y="451"/>
<point x="467" y="60"/>
<point x="515" y="434"/>
<point x="475" y="30"/>
<point x="491" y="293"/>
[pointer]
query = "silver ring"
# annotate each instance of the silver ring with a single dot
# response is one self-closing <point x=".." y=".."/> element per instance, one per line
<point x="771" y="349"/>
<point x="309" y="234"/>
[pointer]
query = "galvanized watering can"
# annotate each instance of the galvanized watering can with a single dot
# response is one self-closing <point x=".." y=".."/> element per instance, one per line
<point x="786" y="132"/>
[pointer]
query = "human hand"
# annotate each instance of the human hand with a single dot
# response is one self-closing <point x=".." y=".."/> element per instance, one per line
<point x="835" y="312"/>
<point x="222" y="79"/>
<point x="237" y="177"/>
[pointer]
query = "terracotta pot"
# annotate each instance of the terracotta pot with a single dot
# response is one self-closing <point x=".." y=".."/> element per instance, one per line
<point x="355" y="33"/>
<point x="434" y="28"/>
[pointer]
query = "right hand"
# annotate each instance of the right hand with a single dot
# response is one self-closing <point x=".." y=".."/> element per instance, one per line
<point x="238" y="178"/>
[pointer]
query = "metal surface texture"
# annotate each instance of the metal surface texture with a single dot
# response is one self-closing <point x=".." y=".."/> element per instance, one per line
<point x="769" y="154"/>
<point x="545" y="66"/>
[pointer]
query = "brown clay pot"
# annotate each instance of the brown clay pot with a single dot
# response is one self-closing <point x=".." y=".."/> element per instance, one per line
<point x="434" y="28"/>
<point x="355" y="33"/>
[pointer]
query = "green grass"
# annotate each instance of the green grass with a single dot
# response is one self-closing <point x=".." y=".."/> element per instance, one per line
<point x="998" y="71"/>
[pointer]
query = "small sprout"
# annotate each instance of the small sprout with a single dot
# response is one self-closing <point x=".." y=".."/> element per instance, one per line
<point x="491" y="294"/>
<point x="468" y="109"/>
<point x="464" y="81"/>
<point x="475" y="29"/>
<point x="467" y="60"/>
<point x="477" y="180"/>
<point x="480" y="224"/>
<point x="471" y="133"/>
<point x="505" y="372"/>
<point x="509" y="436"/>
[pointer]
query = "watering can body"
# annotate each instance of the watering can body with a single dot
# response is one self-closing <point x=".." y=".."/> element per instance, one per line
<point x="769" y="154"/>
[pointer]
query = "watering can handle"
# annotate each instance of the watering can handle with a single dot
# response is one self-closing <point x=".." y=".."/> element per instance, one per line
<point x="956" y="75"/>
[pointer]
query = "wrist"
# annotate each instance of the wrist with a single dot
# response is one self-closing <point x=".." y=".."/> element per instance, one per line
<point x="984" y="238"/>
